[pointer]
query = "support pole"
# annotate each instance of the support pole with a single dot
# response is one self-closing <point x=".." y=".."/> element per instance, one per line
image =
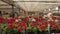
<point x="19" y="10"/>
<point x="13" y="10"/>
<point x="58" y="9"/>
<point x="49" y="29"/>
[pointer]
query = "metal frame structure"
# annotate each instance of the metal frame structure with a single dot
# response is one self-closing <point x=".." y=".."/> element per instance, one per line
<point x="12" y="5"/>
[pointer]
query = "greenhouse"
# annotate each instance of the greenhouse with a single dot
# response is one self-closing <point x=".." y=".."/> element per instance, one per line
<point x="29" y="16"/>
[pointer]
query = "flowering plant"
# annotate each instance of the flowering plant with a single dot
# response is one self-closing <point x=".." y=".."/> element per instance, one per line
<point x="29" y="24"/>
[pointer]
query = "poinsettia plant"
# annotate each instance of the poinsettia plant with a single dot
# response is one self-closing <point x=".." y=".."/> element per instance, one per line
<point x="29" y="24"/>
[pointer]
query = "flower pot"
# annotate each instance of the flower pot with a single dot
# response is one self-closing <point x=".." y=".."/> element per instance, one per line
<point x="43" y="32"/>
<point x="18" y="33"/>
<point x="29" y="32"/>
<point x="52" y="31"/>
<point x="0" y="31"/>
<point x="57" y="31"/>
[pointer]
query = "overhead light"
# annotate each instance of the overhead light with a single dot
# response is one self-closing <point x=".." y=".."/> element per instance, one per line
<point x="56" y="8"/>
<point x="15" y="0"/>
<point x="49" y="9"/>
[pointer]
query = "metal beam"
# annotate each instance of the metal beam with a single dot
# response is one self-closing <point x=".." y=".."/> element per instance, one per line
<point x="4" y="5"/>
<point x="13" y="5"/>
<point x="6" y="2"/>
<point x="40" y="1"/>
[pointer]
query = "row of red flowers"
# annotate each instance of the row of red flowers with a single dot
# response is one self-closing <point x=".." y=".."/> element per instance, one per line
<point x="39" y="23"/>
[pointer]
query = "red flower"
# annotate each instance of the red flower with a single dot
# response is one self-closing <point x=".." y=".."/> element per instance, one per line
<point x="35" y="18"/>
<point x="25" y="28"/>
<point x="25" y="19"/>
<point x="9" y="21"/>
<point x="19" y="29"/>
<point x="38" y="21"/>
<point x="46" y="17"/>
<point x="54" y="17"/>
<point x="44" y="22"/>
<point x="9" y="25"/>
<point x="51" y="23"/>
<point x="40" y="17"/>
<point x="19" y="24"/>
<point x="47" y="25"/>
<point x="54" y="26"/>
<point x="22" y="23"/>
<point x="59" y="22"/>
<point x="34" y="23"/>
<point x="2" y="20"/>
<point x="13" y="18"/>
<point x="31" y="24"/>
<point x="41" y="26"/>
